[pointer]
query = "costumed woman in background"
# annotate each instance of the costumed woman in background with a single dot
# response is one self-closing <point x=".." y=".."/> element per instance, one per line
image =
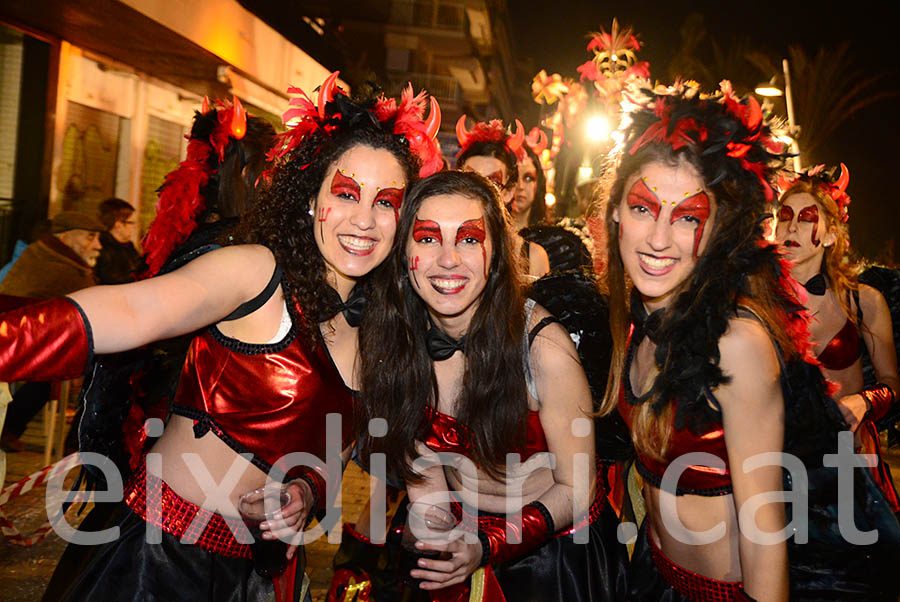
<point x="717" y="362"/>
<point x="811" y="227"/>
<point x="479" y="372"/>
<point x="487" y="149"/>
<point x="199" y="204"/>
<point x="327" y="219"/>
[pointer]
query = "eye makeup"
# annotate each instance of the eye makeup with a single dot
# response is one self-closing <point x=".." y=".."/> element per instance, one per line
<point x="423" y="229"/>
<point x="697" y="207"/>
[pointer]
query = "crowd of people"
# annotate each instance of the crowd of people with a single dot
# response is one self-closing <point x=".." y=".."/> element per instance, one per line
<point x="336" y="291"/>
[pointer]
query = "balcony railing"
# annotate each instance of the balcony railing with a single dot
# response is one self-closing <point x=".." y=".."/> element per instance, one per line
<point x="425" y="13"/>
<point x="443" y="87"/>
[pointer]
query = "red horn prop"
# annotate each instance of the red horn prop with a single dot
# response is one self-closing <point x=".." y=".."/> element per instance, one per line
<point x="238" y="120"/>
<point x="326" y="93"/>
<point x="204" y="107"/>
<point x="434" y="119"/>
<point x="515" y="141"/>
<point x="842" y="182"/>
<point x="462" y="135"/>
<point x="537" y="140"/>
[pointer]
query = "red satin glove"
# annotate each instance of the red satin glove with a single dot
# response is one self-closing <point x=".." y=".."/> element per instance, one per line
<point x="880" y="398"/>
<point x="47" y="341"/>
<point x="536" y="528"/>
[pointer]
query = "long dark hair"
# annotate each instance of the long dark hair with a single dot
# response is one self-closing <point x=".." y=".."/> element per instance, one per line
<point x="497" y="150"/>
<point x="539" y="206"/>
<point x="281" y="220"/>
<point x="397" y="373"/>
<point x="735" y="269"/>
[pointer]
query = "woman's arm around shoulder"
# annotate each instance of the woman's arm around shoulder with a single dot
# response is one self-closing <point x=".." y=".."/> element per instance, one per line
<point x="753" y="413"/>
<point x="198" y="294"/>
<point x="877" y="333"/>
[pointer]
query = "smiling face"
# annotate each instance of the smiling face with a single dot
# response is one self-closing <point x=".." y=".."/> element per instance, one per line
<point x="802" y="229"/>
<point x="526" y="187"/>
<point x="355" y="213"/>
<point x="449" y="254"/>
<point x="665" y="218"/>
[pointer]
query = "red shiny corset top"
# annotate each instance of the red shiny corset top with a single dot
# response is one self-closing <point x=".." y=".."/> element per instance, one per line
<point x="842" y="350"/>
<point x="269" y="400"/>
<point x="695" y="478"/>
<point x="445" y="434"/>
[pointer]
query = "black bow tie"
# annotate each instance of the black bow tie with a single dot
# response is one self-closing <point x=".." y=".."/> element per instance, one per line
<point x="441" y="345"/>
<point x="816" y="285"/>
<point x="644" y="323"/>
<point x="353" y="309"/>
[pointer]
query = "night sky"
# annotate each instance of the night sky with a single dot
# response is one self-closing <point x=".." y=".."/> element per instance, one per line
<point x="554" y="38"/>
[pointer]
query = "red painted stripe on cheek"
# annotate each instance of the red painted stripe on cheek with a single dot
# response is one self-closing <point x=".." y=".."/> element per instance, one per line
<point x="394" y="196"/>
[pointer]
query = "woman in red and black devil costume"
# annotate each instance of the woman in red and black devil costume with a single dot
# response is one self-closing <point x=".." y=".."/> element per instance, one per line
<point x="259" y="381"/>
<point x="479" y="372"/>
<point x="716" y="362"/>
<point x="848" y="317"/>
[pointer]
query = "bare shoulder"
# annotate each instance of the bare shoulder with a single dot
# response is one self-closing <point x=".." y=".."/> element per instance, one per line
<point x="871" y="300"/>
<point x="246" y="268"/>
<point x="748" y="357"/>
<point x="554" y="333"/>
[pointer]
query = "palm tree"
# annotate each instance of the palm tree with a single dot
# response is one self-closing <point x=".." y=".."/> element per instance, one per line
<point x="828" y="88"/>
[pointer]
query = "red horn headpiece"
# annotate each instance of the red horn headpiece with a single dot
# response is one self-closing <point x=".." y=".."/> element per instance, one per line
<point x="514" y="142"/>
<point x="537" y="140"/>
<point x="462" y="134"/>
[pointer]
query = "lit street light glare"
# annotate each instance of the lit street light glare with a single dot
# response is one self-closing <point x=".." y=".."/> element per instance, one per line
<point x="549" y="199"/>
<point x="768" y="90"/>
<point x="597" y="128"/>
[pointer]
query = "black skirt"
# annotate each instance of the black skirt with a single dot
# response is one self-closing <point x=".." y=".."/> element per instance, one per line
<point x="130" y="569"/>
<point x="562" y="569"/>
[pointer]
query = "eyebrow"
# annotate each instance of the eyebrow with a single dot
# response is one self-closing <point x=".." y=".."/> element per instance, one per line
<point x="423" y="228"/>
<point x="640" y="190"/>
<point x="392" y="195"/>
<point x="342" y="184"/>
<point x="473" y="228"/>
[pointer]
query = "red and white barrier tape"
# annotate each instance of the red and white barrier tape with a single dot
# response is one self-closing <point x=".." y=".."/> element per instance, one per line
<point x="7" y="528"/>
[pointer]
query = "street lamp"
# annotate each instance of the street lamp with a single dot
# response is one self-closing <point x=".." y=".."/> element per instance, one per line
<point x="769" y="89"/>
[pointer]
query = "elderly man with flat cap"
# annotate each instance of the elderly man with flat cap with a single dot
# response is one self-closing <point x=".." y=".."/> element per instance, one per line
<point x="58" y="263"/>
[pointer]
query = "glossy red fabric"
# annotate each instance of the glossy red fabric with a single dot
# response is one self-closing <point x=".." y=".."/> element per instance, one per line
<point x="46" y="341"/>
<point x="695" y="479"/>
<point x="446" y="434"/>
<point x="267" y="399"/>
<point x="842" y="350"/>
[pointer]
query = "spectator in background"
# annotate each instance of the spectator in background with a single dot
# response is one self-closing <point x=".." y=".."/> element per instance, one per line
<point x="58" y="263"/>
<point x="119" y="259"/>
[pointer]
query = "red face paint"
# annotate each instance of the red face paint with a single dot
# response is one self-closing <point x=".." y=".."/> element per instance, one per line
<point x="414" y="263"/>
<point x="497" y="178"/>
<point x="342" y="185"/>
<point x="394" y="197"/>
<point x="323" y="213"/>
<point x="785" y="214"/>
<point x="696" y="207"/>
<point x="641" y="196"/>
<point x="423" y="229"/>
<point x="474" y="229"/>
<point x="810" y="214"/>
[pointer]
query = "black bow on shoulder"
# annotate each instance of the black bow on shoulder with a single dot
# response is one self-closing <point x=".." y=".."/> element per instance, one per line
<point x="353" y="309"/>
<point x="441" y="345"/>
<point x="816" y="285"/>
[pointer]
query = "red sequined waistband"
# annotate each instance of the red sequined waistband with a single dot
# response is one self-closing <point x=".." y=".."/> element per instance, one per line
<point x="176" y="516"/>
<point x="690" y="584"/>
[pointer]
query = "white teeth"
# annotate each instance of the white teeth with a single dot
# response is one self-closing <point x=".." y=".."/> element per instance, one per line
<point x="356" y="243"/>
<point x="656" y="262"/>
<point x="447" y="284"/>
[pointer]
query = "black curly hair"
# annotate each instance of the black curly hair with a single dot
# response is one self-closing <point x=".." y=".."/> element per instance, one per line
<point x="280" y="219"/>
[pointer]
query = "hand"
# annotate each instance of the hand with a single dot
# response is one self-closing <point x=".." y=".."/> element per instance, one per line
<point x="853" y="408"/>
<point x="436" y="573"/>
<point x="287" y="524"/>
